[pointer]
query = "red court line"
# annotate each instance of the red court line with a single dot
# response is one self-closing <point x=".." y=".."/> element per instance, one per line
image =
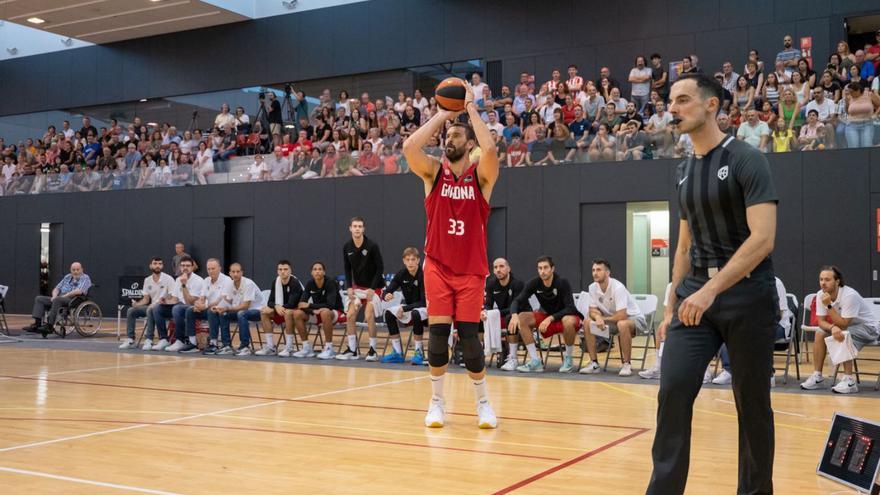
<point x="285" y="432"/>
<point x="548" y="472"/>
<point x="307" y="401"/>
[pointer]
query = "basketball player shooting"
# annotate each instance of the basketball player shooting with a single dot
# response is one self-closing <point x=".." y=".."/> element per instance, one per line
<point x="457" y="196"/>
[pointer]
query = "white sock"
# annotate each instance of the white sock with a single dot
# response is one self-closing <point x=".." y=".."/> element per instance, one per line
<point x="660" y="351"/>
<point x="480" y="390"/>
<point x="307" y="345"/>
<point x="418" y="345"/>
<point x="288" y="341"/>
<point x="395" y="343"/>
<point x="533" y="351"/>
<point x="213" y="341"/>
<point x="269" y="341"/>
<point x="511" y="356"/>
<point x="569" y="350"/>
<point x="437" y="387"/>
<point x="328" y="346"/>
<point x="193" y="341"/>
<point x="352" y="343"/>
<point x="373" y="342"/>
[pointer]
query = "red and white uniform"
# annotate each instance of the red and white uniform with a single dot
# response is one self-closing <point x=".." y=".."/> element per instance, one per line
<point x="455" y="245"/>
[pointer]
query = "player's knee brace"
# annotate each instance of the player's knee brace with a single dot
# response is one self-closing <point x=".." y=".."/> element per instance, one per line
<point x="418" y="327"/>
<point x="438" y="344"/>
<point x="471" y="349"/>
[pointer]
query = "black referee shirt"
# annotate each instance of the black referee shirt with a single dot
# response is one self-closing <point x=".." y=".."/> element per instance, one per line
<point x="713" y="194"/>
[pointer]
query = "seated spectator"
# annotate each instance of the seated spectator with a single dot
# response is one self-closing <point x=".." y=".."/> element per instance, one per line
<point x="311" y="168"/>
<point x="771" y="90"/>
<point x="744" y="95"/>
<point x="224" y="118"/>
<point x="812" y="135"/>
<point x="826" y="110"/>
<point x="284" y="297"/>
<point x="755" y="78"/>
<point x="631" y="114"/>
<point x="556" y="314"/>
<point x="579" y="125"/>
<point x="610" y="118"/>
<point x="783" y="138"/>
<point x="91" y="150"/>
<point x="592" y="103"/>
<point x="753" y="131"/>
<point x="218" y="293"/>
<point x="390" y="163"/>
<point x="328" y="163"/>
<point x="392" y="139"/>
<point x="840" y="308"/>
<point x="517" y="152"/>
<point x="539" y="150"/>
<point x="204" y="164"/>
<point x="187" y="293"/>
<point x="619" y="103"/>
<point x="73" y="285"/>
<point x="612" y="309"/>
<point x="768" y="115"/>
<point x="278" y="165"/>
<point x="242" y="121"/>
<point x="562" y="146"/>
<point x="346" y="165"/>
<point x="368" y="162"/>
<point x="866" y="68"/>
<point x="510" y="128"/>
<point x="658" y="131"/>
<point x="410" y="281"/>
<point x="258" y="170"/>
<point x="684" y="147"/>
<point x="729" y="77"/>
<point x="790" y="110"/>
<point x="302" y="143"/>
<point x="534" y="125"/>
<point x="632" y="142"/>
<point x="831" y="86"/>
<point x="603" y="146"/>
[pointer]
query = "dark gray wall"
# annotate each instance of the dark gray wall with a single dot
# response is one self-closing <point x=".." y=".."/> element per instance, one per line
<point x="389" y="34"/>
<point x="571" y="212"/>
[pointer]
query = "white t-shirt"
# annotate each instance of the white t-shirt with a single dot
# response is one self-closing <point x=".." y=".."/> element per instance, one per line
<point x="615" y="298"/>
<point x="785" y="317"/>
<point x="687" y="145"/>
<point x="420" y="104"/>
<point x="478" y="91"/>
<point x="247" y="291"/>
<point x="849" y="304"/>
<point x="158" y="290"/>
<point x="218" y="291"/>
<point x="660" y="122"/>
<point x="68" y="133"/>
<point x="642" y="88"/>
<point x="8" y="170"/>
<point x="195" y="284"/>
<point x="257" y="169"/>
<point x="499" y="129"/>
<point x="826" y="109"/>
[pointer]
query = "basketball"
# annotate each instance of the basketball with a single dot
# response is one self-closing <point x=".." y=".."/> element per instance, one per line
<point x="450" y="94"/>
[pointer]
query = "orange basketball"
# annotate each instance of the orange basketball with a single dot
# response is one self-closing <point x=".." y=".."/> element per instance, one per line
<point x="450" y="94"/>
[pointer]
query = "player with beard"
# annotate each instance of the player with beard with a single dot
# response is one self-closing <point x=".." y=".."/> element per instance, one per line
<point x="457" y="194"/>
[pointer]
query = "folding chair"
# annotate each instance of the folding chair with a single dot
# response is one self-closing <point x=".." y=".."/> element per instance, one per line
<point x="361" y="326"/>
<point x="805" y="324"/>
<point x="648" y="306"/>
<point x="282" y="339"/>
<point x="4" y="327"/>
<point x="874" y="302"/>
<point x="263" y="295"/>
<point x="790" y="343"/>
<point x="558" y="338"/>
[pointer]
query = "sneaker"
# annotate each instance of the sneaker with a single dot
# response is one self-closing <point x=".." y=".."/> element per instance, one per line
<point x="243" y="351"/>
<point x="327" y="354"/>
<point x="772" y="381"/>
<point x="372" y="356"/>
<point x="567" y="365"/>
<point x="653" y="373"/>
<point x="348" y="355"/>
<point x="32" y="328"/>
<point x="286" y="352"/>
<point x="189" y="349"/>
<point x="707" y="376"/>
<point x="161" y="345"/>
<point x="436" y="414"/>
<point x="306" y="352"/>
<point x="418" y="358"/>
<point x="846" y="385"/>
<point x="226" y="350"/>
<point x="625" y="370"/>
<point x="266" y="351"/>
<point x="723" y="378"/>
<point x="533" y="366"/>
<point x="813" y="382"/>
<point x="591" y="369"/>
<point x="395" y="357"/>
<point x="509" y="365"/>
<point x="128" y="344"/>
<point x="176" y="346"/>
<point x="486" y="416"/>
<point x="148" y="346"/>
<point x="210" y="350"/>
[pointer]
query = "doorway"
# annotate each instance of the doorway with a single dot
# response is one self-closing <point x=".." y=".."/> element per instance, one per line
<point x="647" y="248"/>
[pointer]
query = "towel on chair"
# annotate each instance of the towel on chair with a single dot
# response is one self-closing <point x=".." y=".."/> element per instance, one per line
<point x="279" y="292"/>
<point x="492" y="335"/>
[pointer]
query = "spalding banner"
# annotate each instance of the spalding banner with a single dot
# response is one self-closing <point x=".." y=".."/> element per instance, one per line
<point x="131" y="288"/>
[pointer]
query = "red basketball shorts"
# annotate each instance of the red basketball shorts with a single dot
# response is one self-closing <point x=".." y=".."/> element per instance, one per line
<point x="553" y="328"/>
<point x="449" y="294"/>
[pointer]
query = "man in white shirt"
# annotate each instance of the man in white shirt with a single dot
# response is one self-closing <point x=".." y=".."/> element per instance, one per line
<point x="640" y="77"/>
<point x="575" y="82"/>
<point x="156" y="287"/>
<point x="477" y="85"/>
<point x="754" y="131"/>
<point x="493" y="122"/>
<point x="188" y="292"/>
<point x="612" y="309"/>
<point x="729" y="76"/>
<point x="243" y="308"/>
<point x="826" y="110"/>
<point x="659" y="131"/>
<point x="278" y="165"/>
<point x="218" y="294"/>
<point x="840" y="308"/>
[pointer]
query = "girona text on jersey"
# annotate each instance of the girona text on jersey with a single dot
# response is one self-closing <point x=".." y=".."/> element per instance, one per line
<point x="457" y="192"/>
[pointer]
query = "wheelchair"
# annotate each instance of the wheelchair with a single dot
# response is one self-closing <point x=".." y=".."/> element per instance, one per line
<point x="82" y="315"/>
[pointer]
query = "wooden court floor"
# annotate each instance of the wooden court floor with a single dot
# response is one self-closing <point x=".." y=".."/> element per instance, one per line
<point x="75" y="421"/>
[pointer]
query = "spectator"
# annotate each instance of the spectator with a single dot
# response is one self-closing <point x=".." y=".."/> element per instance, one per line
<point x="204" y="164"/>
<point x="92" y="150"/>
<point x="312" y="168"/>
<point x="390" y="163"/>
<point x="611" y="118"/>
<point x="619" y="103"/>
<point x="826" y="111"/>
<point x="328" y="163"/>
<point x="420" y="102"/>
<point x="66" y="130"/>
<point x="88" y="128"/>
<point x="754" y="131"/>
<point x="807" y="73"/>
<point x="73" y="285"/>
<point x="840" y="308"/>
<point x="579" y="126"/>
<point x="812" y="134"/>
<point x="771" y="90"/>
<point x="603" y="145"/>
<point x="632" y="142"/>
<point x="659" y="76"/>
<point x="755" y="78"/>
<point x="788" y="56"/>
<point x="754" y="57"/>
<point x="605" y="74"/>
<point x="593" y="104"/>
<point x="861" y="108"/>
<point x="278" y="165"/>
<point x="478" y="86"/>
<point x="273" y="115"/>
<point x="346" y="163"/>
<point x="510" y="128"/>
<point x="302" y="143"/>
<point x="835" y="65"/>
<point x="783" y="138"/>
<point x="744" y="95"/>
<point x="575" y="83"/>
<point x="258" y="170"/>
<point x="688" y="66"/>
<point x="872" y="53"/>
<point x="106" y="160"/>
<point x="830" y="86"/>
<point x="640" y="76"/>
<point x="516" y="152"/>
<point x="790" y="110"/>
<point x="539" y="149"/>
<point x="800" y="88"/>
<point x="658" y="131"/>
<point x="132" y="157"/>
<point x="730" y="77"/>
<point x="534" y="125"/>
<point x="782" y="76"/>
<point x="631" y="114"/>
<point x="562" y="147"/>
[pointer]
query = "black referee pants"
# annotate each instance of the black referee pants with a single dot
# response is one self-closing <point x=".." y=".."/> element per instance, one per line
<point x="744" y="317"/>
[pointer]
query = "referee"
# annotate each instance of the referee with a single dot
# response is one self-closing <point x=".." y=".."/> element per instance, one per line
<point x="724" y="292"/>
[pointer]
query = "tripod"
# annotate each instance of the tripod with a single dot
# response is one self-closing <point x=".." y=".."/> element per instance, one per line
<point x="194" y="121"/>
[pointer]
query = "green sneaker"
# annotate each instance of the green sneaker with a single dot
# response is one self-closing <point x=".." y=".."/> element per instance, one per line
<point x="567" y="365"/>
<point x="533" y="366"/>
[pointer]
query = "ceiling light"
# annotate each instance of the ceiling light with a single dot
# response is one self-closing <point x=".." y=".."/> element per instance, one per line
<point x="36" y="20"/>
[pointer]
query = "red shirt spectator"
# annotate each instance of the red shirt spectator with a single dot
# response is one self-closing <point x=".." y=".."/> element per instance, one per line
<point x="369" y="162"/>
<point x="568" y="111"/>
<point x="302" y="144"/>
<point x="516" y="152"/>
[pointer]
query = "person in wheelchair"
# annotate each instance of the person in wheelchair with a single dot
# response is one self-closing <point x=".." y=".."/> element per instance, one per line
<point x="72" y="288"/>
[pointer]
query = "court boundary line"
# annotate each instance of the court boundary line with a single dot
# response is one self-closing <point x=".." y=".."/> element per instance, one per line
<point x="201" y="415"/>
<point x="570" y="462"/>
<point x="87" y="370"/>
<point x="306" y="400"/>
<point x="104" y="484"/>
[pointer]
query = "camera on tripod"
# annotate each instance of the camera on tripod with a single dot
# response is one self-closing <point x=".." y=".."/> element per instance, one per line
<point x="288" y="89"/>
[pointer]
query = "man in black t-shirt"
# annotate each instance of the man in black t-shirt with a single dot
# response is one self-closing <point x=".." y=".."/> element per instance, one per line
<point x="723" y="291"/>
<point x="364" y="283"/>
<point x="284" y="294"/>
<point x="320" y="304"/>
<point x="411" y="282"/>
<point x="501" y="289"/>
<point x="557" y="314"/>
<point x="273" y="115"/>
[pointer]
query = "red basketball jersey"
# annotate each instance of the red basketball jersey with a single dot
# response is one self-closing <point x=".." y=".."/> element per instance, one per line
<point x="457" y="215"/>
